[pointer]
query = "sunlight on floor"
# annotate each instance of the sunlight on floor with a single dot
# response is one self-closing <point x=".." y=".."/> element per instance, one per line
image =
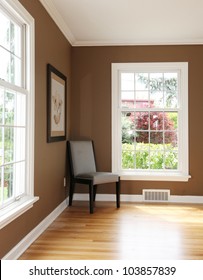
<point x="149" y="237"/>
<point x="179" y="214"/>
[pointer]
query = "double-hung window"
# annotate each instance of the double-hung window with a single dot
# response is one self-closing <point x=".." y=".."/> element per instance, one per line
<point x="16" y="110"/>
<point x="150" y="121"/>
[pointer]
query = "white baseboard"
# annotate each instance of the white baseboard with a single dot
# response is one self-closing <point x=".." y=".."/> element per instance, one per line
<point x="139" y="198"/>
<point x="186" y="199"/>
<point x="108" y="197"/>
<point x="18" y="250"/>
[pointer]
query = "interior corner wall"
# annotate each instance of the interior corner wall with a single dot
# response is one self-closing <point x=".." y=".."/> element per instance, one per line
<point x="91" y="106"/>
<point x="50" y="47"/>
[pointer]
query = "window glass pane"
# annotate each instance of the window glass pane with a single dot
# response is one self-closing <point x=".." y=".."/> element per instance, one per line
<point x="4" y="65"/>
<point x="142" y="137"/>
<point x="142" y="120"/>
<point x="170" y="100"/>
<point x="170" y="120"/>
<point x="156" y="121"/>
<point x="142" y="81"/>
<point x="127" y="81"/>
<point x="156" y="82"/>
<point x="8" y="144"/>
<point x="14" y="144"/>
<point x="173" y="117"/>
<point x="171" y="137"/>
<point x="171" y="82"/>
<point x="127" y="99"/>
<point x="128" y="156"/>
<point x="15" y="39"/>
<point x="10" y="67"/>
<point x="171" y="160"/>
<point x="171" y="90"/>
<point x="15" y="70"/>
<point x="156" y="159"/>
<point x="156" y="137"/>
<point x="4" y="31"/>
<point x="8" y="182"/>
<point x="156" y="99"/>
<point x="142" y="159"/>
<point x="127" y="122"/>
<point x="9" y="108"/>
<point x="14" y="108"/>
<point x="142" y="99"/>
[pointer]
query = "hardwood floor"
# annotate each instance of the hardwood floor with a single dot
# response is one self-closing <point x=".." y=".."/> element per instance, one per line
<point x="135" y="231"/>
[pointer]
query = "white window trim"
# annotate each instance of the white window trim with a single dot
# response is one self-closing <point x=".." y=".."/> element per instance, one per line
<point x="8" y="214"/>
<point x="183" y="173"/>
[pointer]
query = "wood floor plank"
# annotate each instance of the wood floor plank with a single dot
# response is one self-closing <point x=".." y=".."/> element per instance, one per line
<point x="135" y="231"/>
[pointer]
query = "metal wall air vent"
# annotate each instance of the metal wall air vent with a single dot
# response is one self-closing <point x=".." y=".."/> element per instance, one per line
<point x="156" y="195"/>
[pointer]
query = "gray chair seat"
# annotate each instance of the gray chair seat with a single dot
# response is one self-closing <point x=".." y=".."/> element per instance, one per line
<point x="83" y="171"/>
<point x="99" y="177"/>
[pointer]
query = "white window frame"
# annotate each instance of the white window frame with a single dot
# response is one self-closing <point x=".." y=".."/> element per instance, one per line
<point x="22" y="204"/>
<point x="182" y="174"/>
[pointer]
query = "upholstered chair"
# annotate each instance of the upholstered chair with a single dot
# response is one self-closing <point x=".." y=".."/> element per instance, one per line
<point x="83" y="171"/>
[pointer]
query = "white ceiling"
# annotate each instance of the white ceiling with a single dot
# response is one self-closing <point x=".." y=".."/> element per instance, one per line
<point x="128" y="22"/>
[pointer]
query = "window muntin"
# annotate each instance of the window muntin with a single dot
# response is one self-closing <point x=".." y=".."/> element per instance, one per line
<point x="149" y="119"/>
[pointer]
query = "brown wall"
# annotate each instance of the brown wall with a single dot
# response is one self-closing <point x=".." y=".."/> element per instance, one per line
<point x="90" y="114"/>
<point x="91" y="105"/>
<point x="50" y="47"/>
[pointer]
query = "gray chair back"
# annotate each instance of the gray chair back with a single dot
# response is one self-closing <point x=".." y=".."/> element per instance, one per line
<point x="83" y="160"/>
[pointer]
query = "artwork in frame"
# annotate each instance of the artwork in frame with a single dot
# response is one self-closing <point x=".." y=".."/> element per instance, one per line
<point x="56" y="105"/>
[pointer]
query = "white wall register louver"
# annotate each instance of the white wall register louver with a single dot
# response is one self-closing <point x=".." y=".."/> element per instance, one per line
<point x="156" y="195"/>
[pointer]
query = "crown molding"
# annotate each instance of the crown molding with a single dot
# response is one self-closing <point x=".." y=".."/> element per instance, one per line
<point x="55" y="15"/>
<point x="135" y="43"/>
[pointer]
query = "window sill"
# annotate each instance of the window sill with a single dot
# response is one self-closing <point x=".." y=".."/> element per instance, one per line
<point x="153" y="176"/>
<point x="10" y="213"/>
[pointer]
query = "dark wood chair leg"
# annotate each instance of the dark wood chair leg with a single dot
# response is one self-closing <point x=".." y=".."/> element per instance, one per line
<point x="71" y="191"/>
<point x="118" y="194"/>
<point x="95" y="192"/>
<point x="91" y="195"/>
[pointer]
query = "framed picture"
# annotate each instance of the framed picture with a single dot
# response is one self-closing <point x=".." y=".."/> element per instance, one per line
<point x="56" y="105"/>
